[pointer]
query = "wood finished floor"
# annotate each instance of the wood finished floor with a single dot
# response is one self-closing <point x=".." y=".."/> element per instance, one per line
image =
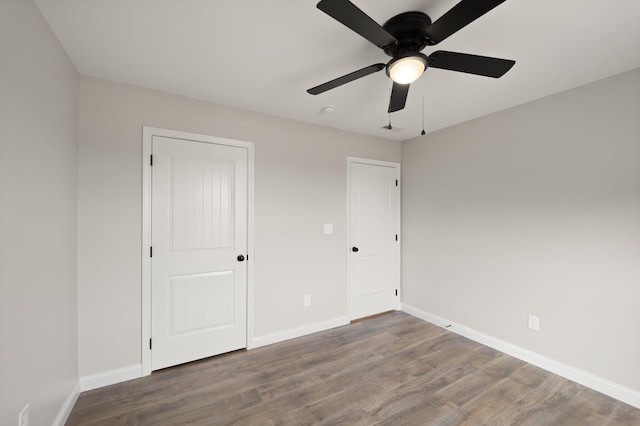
<point x="389" y="370"/>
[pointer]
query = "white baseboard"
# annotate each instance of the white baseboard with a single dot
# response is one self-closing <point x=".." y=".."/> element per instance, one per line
<point x="67" y="406"/>
<point x="607" y="387"/>
<point x="281" y="336"/>
<point x="119" y="375"/>
<point x="111" y="377"/>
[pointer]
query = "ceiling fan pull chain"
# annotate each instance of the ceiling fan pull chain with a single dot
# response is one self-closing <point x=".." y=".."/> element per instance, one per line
<point x="423" y="132"/>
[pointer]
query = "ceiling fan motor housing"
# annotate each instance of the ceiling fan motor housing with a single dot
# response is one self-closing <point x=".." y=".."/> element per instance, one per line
<point x="410" y="29"/>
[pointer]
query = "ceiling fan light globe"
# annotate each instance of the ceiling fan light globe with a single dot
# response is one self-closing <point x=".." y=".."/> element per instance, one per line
<point x="407" y="70"/>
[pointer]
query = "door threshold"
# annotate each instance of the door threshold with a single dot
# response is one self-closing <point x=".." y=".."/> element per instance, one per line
<point x="371" y="316"/>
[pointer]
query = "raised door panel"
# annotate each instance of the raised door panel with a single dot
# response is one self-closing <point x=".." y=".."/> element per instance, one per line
<point x="200" y="302"/>
<point x="202" y="203"/>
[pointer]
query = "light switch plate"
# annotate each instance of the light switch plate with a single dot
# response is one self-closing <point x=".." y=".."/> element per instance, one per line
<point x="534" y="322"/>
<point x="328" y="228"/>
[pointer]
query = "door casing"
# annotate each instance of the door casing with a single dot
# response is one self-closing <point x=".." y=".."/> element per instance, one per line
<point x="147" y="136"/>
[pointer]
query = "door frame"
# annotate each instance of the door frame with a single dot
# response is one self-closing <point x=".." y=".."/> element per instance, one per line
<point x="147" y="136"/>
<point x="391" y="164"/>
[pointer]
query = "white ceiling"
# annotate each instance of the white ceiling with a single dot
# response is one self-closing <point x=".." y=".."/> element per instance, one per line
<point x="262" y="55"/>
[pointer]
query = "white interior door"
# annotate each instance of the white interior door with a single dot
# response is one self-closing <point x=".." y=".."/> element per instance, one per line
<point x="198" y="232"/>
<point x="374" y="251"/>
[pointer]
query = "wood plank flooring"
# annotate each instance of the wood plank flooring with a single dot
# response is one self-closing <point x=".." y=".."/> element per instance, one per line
<point x="393" y="369"/>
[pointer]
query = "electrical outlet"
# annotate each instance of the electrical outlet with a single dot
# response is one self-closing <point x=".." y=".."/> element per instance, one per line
<point x="534" y="322"/>
<point x="307" y="300"/>
<point x="23" y="417"/>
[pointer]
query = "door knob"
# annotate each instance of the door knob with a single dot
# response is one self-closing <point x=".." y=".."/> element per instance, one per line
<point x="240" y="258"/>
<point x="354" y="249"/>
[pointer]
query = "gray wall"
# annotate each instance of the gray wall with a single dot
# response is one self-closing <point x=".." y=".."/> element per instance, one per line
<point x="38" y="205"/>
<point x="300" y="176"/>
<point x="535" y="209"/>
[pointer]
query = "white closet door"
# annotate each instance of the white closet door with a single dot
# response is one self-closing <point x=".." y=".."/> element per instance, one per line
<point x="199" y="250"/>
<point x="374" y="246"/>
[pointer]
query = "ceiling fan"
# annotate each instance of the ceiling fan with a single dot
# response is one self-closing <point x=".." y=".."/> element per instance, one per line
<point x="404" y="36"/>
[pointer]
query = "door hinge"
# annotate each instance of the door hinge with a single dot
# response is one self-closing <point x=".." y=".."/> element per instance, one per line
<point x="150" y="251"/>
<point x="150" y="345"/>
<point x="396" y="291"/>
<point x="151" y="159"/>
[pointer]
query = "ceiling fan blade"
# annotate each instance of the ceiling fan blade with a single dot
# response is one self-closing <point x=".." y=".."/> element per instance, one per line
<point x="399" y="94"/>
<point x="349" y="15"/>
<point x="472" y="64"/>
<point x="458" y="17"/>
<point x="346" y="79"/>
